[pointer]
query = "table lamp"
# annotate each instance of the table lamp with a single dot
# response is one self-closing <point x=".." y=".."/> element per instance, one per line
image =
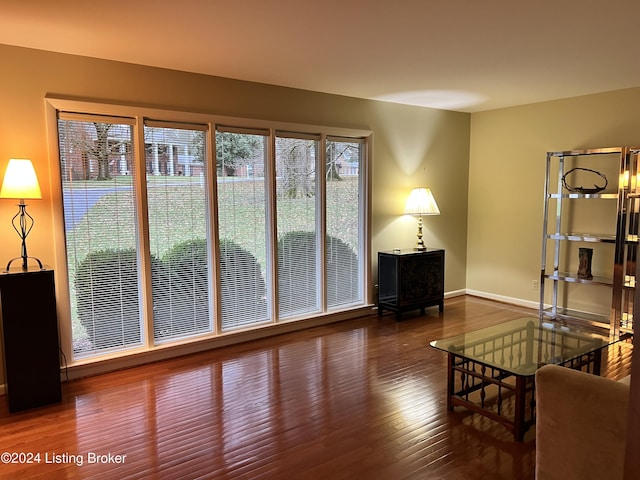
<point x="421" y="202"/>
<point x="20" y="182"/>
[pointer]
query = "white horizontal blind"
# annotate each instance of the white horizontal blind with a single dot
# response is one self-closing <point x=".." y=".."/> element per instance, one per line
<point x="343" y="214"/>
<point x="242" y="225"/>
<point x="177" y="213"/>
<point x="296" y="184"/>
<point x="97" y="170"/>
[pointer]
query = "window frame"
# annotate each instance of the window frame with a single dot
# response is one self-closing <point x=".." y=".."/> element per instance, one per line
<point x="141" y="115"/>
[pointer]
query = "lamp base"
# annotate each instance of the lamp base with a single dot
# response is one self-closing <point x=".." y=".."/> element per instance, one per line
<point x="23" y="223"/>
<point x="24" y="263"/>
<point x="420" y="246"/>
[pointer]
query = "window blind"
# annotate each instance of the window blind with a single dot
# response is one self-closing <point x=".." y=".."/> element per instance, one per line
<point x="297" y="220"/>
<point x="242" y="226"/>
<point x="97" y="167"/>
<point x="177" y="214"/>
<point x="343" y="219"/>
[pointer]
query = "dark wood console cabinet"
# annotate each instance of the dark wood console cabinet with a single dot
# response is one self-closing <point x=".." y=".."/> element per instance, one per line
<point x="410" y="280"/>
<point x="30" y="339"/>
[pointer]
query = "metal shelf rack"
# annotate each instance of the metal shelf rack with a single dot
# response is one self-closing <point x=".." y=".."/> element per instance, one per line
<point x="567" y="213"/>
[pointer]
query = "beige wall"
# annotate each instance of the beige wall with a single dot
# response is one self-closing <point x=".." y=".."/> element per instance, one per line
<point x="507" y="170"/>
<point x="412" y="146"/>
<point x="421" y="147"/>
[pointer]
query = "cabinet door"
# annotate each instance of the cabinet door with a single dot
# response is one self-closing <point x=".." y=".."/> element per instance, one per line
<point x="422" y="277"/>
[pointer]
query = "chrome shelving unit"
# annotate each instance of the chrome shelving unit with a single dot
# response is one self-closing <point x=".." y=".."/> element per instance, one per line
<point x="562" y="235"/>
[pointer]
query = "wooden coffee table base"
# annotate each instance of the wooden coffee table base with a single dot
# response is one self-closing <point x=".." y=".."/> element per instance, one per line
<point x="504" y="397"/>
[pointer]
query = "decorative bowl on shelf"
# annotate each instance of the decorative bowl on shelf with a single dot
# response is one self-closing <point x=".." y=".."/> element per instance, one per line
<point x="581" y="189"/>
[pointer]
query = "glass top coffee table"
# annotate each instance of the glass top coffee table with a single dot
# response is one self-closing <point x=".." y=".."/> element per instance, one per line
<point x="491" y="371"/>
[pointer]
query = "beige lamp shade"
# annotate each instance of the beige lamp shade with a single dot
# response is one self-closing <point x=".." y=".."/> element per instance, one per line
<point x="20" y="180"/>
<point x="421" y="202"/>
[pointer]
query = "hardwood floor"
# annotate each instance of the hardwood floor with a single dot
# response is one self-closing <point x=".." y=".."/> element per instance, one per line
<point x="361" y="399"/>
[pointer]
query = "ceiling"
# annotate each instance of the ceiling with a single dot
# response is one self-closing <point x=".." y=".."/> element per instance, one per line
<point x="463" y="55"/>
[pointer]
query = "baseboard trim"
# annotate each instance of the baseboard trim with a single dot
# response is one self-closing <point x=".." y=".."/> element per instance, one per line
<point x="504" y="299"/>
<point x="455" y="293"/>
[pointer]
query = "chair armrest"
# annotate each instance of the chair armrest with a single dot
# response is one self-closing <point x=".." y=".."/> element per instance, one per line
<point x="581" y="424"/>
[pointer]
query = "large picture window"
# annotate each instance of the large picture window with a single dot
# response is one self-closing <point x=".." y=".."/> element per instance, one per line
<point x="181" y="231"/>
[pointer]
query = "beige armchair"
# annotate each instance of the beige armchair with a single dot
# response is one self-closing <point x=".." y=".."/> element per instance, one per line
<point x="581" y="425"/>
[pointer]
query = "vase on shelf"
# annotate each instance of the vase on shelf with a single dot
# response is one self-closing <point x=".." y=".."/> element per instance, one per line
<point x="585" y="255"/>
